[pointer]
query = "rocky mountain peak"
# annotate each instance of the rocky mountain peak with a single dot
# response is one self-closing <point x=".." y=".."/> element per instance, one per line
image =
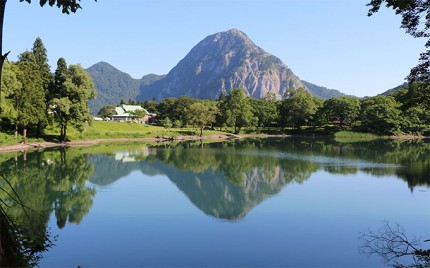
<point x="217" y="64"/>
<point x="233" y="35"/>
<point x="220" y="63"/>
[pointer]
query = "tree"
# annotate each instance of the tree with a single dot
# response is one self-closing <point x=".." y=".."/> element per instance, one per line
<point x="416" y="22"/>
<point x="165" y="108"/>
<point x="415" y="106"/>
<point x="381" y="115"/>
<point x="299" y="109"/>
<point x="11" y="85"/>
<point x="181" y="109"/>
<point x="66" y="6"/>
<point x="175" y="108"/>
<point x="414" y="118"/>
<point x="60" y="107"/>
<point x="41" y="57"/>
<point x="177" y="123"/>
<point x="72" y="89"/>
<point x="237" y="110"/>
<point x="150" y="106"/>
<point x="220" y="119"/>
<point x="344" y="109"/>
<point x="106" y="111"/>
<point x="266" y="110"/>
<point x="81" y="90"/>
<point x="139" y="115"/>
<point x="30" y="100"/>
<point x="167" y="123"/>
<point x="40" y="54"/>
<point x="415" y="94"/>
<point x="60" y="76"/>
<point x="202" y="114"/>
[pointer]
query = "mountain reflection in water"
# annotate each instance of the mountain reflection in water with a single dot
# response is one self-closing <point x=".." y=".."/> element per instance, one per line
<point x="226" y="180"/>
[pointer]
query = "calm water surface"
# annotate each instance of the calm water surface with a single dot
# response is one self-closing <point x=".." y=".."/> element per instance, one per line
<point x="247" y="203"/>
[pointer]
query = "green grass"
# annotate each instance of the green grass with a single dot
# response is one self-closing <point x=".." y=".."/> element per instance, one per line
<point x="116" y="130"/>
<point x="110" y="130"/>
<point x="350" y="136"/>
<point x="104" y="130"/>
<point x="7" y="139"/>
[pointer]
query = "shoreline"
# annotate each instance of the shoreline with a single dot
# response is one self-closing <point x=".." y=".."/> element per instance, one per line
<point x="47" y="144"/>
<point x="218" y="137"/>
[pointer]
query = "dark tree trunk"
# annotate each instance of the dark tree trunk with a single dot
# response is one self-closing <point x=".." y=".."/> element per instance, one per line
<point x="24" y="134"/>
<point x="39" y="130"/>
<point x="63" y="155"/>
<point x="2" y="56"/>
<point x="61" y="133"/>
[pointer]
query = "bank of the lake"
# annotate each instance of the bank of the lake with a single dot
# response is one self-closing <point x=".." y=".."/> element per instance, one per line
<point x="47" y="144"/>
<point x="100" y="132"/>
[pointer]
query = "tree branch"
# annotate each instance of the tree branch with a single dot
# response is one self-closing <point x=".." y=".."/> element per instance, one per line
<point x="391" y="243"/>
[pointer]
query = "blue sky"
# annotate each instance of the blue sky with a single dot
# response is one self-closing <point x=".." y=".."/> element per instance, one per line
<point x="331" y="43"/>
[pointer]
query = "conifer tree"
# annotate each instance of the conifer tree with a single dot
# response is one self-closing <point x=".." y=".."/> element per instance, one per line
<point x="30" y="99"/>
<point x="41" y="57"/>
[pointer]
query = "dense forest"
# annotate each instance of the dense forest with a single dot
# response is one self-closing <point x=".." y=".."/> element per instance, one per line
<point x="405" y="111"/>
<point x="33" y="98"/>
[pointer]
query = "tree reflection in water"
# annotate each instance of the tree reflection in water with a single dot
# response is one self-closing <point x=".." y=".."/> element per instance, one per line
<point x="391" y="243"/>
<point x="33" y="186"/>
<point x="21" y="243"/>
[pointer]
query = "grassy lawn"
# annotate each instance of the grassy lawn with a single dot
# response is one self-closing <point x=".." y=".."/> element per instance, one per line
<point x="7" y="139"/>
<point x="113" y="130"/>
<point x="116" y="130"/>
<point x="110" y="130"/>
<point x="350" y="136"/>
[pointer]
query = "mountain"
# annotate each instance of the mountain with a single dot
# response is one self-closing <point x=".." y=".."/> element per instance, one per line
<point x="150" y="78"/>
<point x="218" y="63"/>
<point x="322" y="92"/>
<point x="222" y="62"/>
<point x="112" y="85"/>
<point x="388" y="92"/>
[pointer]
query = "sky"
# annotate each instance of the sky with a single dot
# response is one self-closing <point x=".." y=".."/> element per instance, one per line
<point x="330" y="43"/>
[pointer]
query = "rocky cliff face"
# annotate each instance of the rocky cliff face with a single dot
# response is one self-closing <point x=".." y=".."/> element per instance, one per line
<point x="220" y="63"/>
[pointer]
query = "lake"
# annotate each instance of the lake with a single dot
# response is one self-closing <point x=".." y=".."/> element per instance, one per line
<point x="241" y="203"/>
